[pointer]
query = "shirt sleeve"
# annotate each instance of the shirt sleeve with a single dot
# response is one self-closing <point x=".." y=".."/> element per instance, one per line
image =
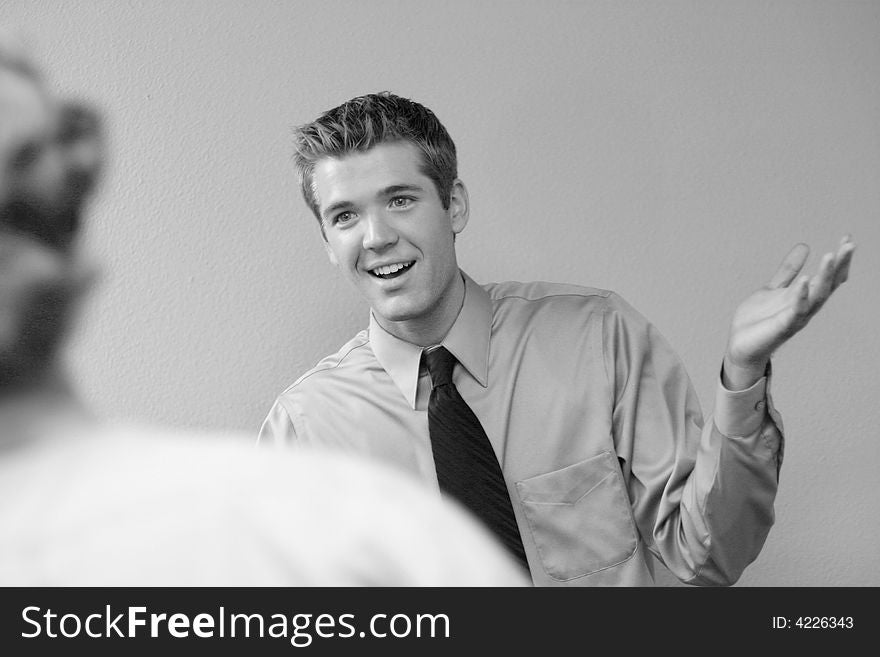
<point x="702" y="489"/>
<point x="278" y="428"/>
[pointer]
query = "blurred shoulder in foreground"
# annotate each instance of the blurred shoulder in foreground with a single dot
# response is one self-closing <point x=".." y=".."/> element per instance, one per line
<point x="85" y="505"/>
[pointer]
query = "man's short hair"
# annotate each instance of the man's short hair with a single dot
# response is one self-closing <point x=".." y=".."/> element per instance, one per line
<point x="366" y="121"/>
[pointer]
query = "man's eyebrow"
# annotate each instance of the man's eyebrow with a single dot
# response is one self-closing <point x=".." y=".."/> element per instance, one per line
<point x="333" y="207"/>
<point x="396" y="189"/>
<point x="391" y="190"/>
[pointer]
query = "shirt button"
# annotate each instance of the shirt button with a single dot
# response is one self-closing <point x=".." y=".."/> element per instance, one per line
<point x="759" y="406"/>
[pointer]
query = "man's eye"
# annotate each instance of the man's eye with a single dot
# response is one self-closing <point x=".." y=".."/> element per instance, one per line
<point x="343" y="218"/>
<point x="401" y="202"/>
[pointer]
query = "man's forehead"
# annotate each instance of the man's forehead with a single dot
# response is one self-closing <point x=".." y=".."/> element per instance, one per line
<point x="368" y="172"/>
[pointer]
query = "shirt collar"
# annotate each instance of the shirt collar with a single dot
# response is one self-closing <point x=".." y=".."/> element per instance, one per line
<point x="467" y="340"/>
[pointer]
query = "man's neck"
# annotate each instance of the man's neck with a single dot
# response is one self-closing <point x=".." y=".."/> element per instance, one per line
<point x="431" y="328"/>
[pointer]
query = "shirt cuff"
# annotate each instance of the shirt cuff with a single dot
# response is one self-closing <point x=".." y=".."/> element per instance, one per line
<point x="741" y="412"/>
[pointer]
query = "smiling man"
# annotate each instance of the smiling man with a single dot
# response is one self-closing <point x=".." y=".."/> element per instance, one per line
<point x="605" y="456"/>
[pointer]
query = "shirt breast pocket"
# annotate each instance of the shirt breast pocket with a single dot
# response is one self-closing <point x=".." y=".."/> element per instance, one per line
<point x="580" y="517"/>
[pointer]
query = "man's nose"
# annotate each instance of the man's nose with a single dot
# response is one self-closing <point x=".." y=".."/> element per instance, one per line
<point x="378" y="232"/>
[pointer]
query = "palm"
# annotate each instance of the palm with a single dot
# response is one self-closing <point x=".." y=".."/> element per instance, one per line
<point x="770" y="316"/>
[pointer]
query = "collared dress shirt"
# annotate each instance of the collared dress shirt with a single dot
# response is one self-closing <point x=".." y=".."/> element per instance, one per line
<point x="600" y="435"/>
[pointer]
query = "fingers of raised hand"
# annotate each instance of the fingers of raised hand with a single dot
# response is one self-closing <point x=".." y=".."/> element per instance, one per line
<point x="800" y="290"/>
<point x="821" y="284"/>
<point x="842" y="261"/>
<point x="833" y="270"/>
<point x="790" y="267"/>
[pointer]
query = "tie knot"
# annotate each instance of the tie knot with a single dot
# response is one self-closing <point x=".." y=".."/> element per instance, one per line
<point x="440" y="363"/>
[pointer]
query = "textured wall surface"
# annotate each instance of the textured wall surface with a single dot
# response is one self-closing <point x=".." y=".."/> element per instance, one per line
<point x="670" y="151"/>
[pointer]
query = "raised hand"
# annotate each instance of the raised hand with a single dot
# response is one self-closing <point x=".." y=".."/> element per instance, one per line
<point x="774" y="313"/>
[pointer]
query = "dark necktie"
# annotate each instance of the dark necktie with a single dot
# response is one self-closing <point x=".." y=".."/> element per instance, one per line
<point x="467" y="467"/>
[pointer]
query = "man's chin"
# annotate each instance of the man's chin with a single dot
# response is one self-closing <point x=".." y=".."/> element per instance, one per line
<point x="397" y="313"/>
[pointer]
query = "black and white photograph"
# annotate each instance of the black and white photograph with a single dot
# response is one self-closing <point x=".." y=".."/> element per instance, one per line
<point x="437" y="296"/>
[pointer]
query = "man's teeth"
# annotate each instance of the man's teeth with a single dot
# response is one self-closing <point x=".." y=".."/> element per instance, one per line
<point x="386" y="270"/>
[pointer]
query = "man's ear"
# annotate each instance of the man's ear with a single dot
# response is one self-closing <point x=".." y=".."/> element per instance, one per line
<point x="459" y="206"/>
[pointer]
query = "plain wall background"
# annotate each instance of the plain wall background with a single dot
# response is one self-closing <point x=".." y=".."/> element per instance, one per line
<point x="670" y="151"/>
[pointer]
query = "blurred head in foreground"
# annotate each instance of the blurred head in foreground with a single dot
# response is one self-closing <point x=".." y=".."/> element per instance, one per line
<point x="86" y="502"/>
<point x="50" y="153"/>
<point x="50" y="160"/>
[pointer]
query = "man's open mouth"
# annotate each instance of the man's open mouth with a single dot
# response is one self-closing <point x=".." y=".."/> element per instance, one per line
<point x="393" y="270"/>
